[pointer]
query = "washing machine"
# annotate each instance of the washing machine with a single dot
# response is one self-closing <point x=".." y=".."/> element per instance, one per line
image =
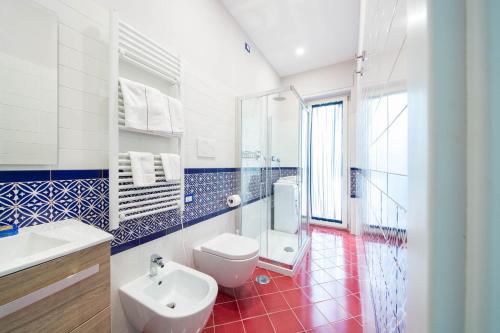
<point x="286" y="205"/>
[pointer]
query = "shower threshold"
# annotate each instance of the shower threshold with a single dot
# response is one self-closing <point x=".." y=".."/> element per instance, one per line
<point x="284" y="268"/>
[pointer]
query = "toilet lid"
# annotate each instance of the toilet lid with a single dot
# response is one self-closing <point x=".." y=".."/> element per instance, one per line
<point x="231" y="246"/>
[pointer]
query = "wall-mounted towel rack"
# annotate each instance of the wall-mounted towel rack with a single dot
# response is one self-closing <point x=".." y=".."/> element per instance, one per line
<point x="129" y="47"/>
<point x="142" y="52"/>
<point x="134" y="202"/>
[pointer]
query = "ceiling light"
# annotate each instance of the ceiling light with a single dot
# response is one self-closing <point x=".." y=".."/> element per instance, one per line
<point x="299" y="51"/>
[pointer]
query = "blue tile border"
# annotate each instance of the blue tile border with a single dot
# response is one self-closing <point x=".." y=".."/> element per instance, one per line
<point x="24" y="176"/>
<point x="75" y="174"/>
<point x="18" y="176"/>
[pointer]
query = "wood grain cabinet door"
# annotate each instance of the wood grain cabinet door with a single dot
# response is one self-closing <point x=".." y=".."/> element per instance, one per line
<point x="66" y="309"/>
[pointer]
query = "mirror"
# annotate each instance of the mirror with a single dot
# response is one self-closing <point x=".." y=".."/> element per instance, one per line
<point x="28" y="84"/>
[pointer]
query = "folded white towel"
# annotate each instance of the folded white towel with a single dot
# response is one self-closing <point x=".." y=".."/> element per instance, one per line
<point x="143" y="168"/>
<point x="172" y="166"/>
<point x="134" y="102"/>
<point x="158" y="113"/>
<point x="176" y="114"/>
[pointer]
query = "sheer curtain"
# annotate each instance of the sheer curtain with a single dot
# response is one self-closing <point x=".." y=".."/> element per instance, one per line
<point x="326" y="162"/>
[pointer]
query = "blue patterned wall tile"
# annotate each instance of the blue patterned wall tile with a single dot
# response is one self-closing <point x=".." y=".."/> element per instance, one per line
<point x="66" y="196"/>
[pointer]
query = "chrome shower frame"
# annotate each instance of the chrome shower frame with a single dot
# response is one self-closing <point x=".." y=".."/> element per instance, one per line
<point x="302" y="243"/>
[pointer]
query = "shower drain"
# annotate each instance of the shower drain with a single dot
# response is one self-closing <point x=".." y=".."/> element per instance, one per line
<point x="171" y="305"/>
<point x="289" y="249"/>
<point x="262" y="279"/>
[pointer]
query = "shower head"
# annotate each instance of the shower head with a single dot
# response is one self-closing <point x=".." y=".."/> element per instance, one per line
<point x="279" y="98"/>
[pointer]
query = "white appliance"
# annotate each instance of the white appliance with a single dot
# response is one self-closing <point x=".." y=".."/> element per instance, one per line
<point x="286" y="205"/>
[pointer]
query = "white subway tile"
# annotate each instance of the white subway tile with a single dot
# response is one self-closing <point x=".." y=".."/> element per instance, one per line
<point x="79" y="100"/>
<point x="74" y="79"/>
<point x="79" y="61"/>
<point x="82" y="159"/>
<point x="82" y="120"/>
<point x="82" y="140"/>
<point x="73" y="39"/>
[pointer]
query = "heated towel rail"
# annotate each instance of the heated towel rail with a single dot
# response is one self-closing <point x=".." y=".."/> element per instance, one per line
<point x="129" y="46"/>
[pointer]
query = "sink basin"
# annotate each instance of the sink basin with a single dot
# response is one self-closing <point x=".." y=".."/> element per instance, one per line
<point x="177" y="300"/>
<point x="28" y="244"/>
<point x="40" y="243"/>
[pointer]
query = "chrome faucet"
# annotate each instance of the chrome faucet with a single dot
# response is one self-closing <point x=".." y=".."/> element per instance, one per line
<point x="155" y="261"/>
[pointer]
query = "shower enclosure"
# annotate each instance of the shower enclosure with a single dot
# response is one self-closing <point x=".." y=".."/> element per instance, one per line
<point x="274" y="176"/>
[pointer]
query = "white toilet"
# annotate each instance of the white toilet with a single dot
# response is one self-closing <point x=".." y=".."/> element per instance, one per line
<point x="230" y="259"/>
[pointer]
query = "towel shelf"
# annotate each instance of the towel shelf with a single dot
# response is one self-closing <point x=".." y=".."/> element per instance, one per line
<point x="121" y="121"/>
<point x="129" y="47"/>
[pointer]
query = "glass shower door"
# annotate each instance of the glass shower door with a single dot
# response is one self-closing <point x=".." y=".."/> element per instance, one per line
<point x="253" y="146"/>
<point x="272" y="175"/>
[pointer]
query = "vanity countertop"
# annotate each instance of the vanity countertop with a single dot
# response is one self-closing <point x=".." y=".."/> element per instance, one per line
<point x="41" y="243"/>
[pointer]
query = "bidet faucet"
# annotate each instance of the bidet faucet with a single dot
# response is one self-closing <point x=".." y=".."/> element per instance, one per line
<point x="155" y="261"/>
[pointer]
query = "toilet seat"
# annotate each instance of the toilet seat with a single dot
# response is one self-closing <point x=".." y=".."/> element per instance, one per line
<point x="232" y="247"/>
<point x="230" y="259"/>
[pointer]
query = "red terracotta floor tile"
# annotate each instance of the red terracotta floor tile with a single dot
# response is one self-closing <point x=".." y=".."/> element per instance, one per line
<point x="310" y="317"/>
<point x="210" y="321"/>
<point x="337" y="273"/>
<point x="251" y="307"/>
<point x="245" y="291"/>
<point x="285" y="283"/>
<point x="304" y="279"/>
<point x="351" y="283"/>
<point x="285" y="322"/>
<point x="351" y="303"/>
<point x="274" y="274"/>
<point x="332" y="310"/>
<point x="321" y="276"/>
<point x="324" y="289"/>
<point x="226" y="312"/>
<point x="325" y="263"/>
<point x="322" y="329"/>
<point x="316" y="293"/>
<point x="274" y="302"/>
<point x="259" y="271"/>
<point x="260" y="324"/>
<point x="335" y="289"/>
<point x="269" y="288"/>
<point x="236" y="327"/>
<point x="347" y="326"/>
<point x="295" y="298"/>
<point x="224" y="295"/>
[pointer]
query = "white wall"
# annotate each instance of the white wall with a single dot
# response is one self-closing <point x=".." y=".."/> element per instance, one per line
<point x="483" y="159"/>
<point x="215" y="64"/>
<point x="216" y="69"/>
<point x="82" y="87"/>
<point x="323" y="80"/>
<point x="437" y="166"/>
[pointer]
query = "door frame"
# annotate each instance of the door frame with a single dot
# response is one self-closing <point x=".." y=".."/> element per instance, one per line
<point x="345" y="99"/>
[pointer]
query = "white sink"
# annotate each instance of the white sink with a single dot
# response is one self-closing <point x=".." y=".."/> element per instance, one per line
<point x="178" y="299"/>
<point x="37" y="244"/>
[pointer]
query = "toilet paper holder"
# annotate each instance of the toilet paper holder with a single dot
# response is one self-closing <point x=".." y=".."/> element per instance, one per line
<point x="233" y="200"/>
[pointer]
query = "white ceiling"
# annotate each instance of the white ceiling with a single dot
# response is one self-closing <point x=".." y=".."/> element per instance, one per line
<point x="326" y="29"/>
